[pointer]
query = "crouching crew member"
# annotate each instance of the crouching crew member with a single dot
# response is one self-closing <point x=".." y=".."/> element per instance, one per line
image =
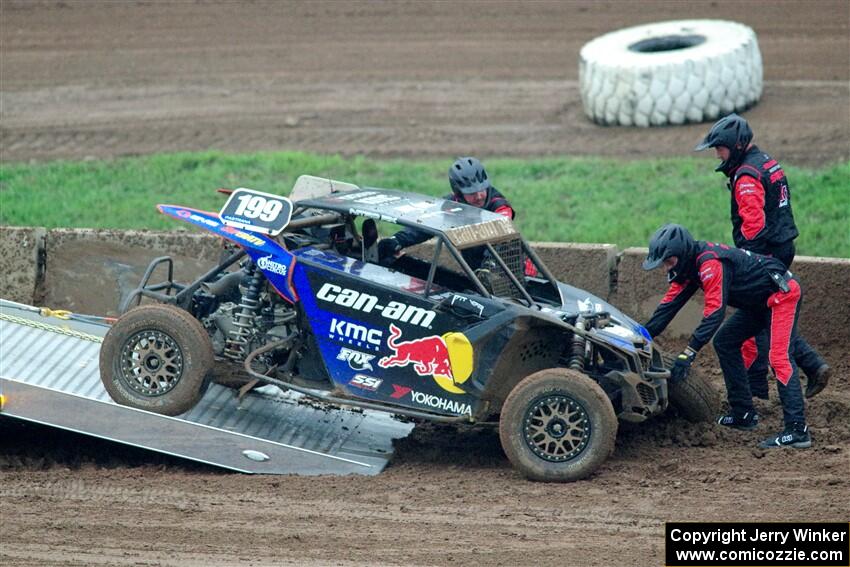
<point x="766" y="296"/>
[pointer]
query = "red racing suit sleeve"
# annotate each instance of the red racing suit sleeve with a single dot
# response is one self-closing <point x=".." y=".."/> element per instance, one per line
<point x="505" y="211"/>
<point x="677" y="295"/>
<point x="714" y="281"/>
<point x="750" y="197"/>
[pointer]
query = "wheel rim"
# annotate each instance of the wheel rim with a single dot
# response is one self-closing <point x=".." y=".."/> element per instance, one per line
<point x="151" y="363"/>
<point x="556" y="428"/>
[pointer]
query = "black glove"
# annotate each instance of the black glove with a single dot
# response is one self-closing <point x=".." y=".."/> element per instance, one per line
<point x="682" y="366"/>
<point x="387" y="250"/>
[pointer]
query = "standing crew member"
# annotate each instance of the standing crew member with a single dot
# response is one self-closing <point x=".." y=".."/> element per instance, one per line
<point x="766" y="296"/>
<point x="762" y="222"/>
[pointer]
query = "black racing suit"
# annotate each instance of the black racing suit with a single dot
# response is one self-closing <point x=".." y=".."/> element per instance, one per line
<point x="763" y="222"/>
<point x="766" y="296"/>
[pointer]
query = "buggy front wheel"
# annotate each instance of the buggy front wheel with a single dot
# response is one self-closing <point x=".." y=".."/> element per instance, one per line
<point x="557" y="425"/>
<point x="156" y="358"/>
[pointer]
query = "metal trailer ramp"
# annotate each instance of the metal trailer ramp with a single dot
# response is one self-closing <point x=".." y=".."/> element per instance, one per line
<point x="49" y="374"/>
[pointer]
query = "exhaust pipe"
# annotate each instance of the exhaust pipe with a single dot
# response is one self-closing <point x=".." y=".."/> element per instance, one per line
<point x="223" y="286"/>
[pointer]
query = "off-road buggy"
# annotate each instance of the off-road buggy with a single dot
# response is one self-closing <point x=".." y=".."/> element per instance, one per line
<point x="456" y="333"/>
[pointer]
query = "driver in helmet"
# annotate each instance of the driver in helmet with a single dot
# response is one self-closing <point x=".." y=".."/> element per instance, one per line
<point x="762" y="222"/>
<point x="766" y="295"/>
<point x="470" y="185"/>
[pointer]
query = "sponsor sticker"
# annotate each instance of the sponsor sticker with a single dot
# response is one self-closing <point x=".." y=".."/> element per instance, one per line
<point x="355" y="334"/>
<point x="242" y="235"/>
<point x="372" y="215"/>
<point x="447" y="358"/>
<point x="365" y="382"/>
<point x="431" y="401"/>
<point x="367" y="303"/>
<point x="474" y="305"/>
<point x="268" y="265"/>
<point x="370" y="198"/>
<point x="356" y="360"/>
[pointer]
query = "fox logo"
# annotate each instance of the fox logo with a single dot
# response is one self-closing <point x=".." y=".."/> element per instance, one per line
<point x="356" y="360"/>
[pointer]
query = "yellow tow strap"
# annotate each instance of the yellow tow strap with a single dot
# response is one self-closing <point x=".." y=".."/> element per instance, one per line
<point x="58" y="313"/>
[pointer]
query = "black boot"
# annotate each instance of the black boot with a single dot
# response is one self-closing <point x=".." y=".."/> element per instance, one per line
<point x="746" y="422"/>
<point x="796" y="436"/>
<point x="818" y="382"/>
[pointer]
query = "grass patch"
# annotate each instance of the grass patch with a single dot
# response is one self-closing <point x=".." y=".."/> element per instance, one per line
<point x="558" y="199"/>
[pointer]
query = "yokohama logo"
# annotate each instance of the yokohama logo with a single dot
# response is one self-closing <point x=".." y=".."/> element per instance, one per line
<point x="440" y="403"/>
<point x="432" y="401"/>
<point x="393" y="310"/>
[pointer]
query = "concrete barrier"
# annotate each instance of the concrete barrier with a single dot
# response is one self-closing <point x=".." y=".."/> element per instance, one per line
<point x="88" y="271"/>
<point x="591" y="267"/>
<point x="21" y="263"/>
<point x="825" y="317"/>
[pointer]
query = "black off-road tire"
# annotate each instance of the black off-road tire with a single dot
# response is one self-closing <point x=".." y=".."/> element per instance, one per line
<point x="532" y="445"/>
<point x="695" y="399"/>
<point x="156" y="358"/>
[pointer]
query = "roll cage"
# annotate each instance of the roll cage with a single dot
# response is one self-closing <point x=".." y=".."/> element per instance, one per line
<point x="456" y="228"/>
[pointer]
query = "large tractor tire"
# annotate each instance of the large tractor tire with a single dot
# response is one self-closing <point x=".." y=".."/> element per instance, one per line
<point x="156" y="358"/>
<point x="557" y="425"/>
<point x="670" y="73"/>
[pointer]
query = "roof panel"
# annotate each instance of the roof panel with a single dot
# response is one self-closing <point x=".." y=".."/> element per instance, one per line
<point x="432" y="214"/>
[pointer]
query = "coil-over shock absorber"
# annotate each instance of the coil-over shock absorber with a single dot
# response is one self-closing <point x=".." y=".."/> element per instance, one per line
<point x="245" y="315"/>
<point x="578" y="346"/>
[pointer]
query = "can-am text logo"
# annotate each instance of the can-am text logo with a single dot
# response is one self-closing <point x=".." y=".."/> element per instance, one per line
<point x="393" y="310"/>
<point x="358" y="335"/>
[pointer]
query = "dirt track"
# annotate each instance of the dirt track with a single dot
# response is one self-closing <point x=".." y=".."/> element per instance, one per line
<point x="81" y="79"/>
<point x="118" y="78"/>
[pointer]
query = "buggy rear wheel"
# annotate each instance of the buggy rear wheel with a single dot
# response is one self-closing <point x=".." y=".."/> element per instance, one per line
<point x="557" y="425"/>
<point x="156" y="358"/>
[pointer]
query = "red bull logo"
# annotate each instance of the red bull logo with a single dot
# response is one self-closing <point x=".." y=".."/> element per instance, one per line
<point x="447" y="358"/>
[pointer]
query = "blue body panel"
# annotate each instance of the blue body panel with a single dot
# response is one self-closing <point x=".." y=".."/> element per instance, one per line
<point x="273" y="259"/>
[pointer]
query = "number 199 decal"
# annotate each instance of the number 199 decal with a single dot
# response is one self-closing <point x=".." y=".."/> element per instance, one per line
<point x="256" y="211"/>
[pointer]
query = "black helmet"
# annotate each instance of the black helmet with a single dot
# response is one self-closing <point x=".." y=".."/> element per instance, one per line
<point x="670" y="240"/>
<point x="467" y="175"/>
<point x="731" y="132"/>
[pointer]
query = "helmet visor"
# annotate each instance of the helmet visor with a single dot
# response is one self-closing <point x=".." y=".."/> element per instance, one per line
<point x="651" y="263"/>
<point x="475" y="187"/>
<point x="704" y="145"/>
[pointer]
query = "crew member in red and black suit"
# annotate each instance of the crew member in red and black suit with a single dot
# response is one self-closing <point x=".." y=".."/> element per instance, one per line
<point x="762" y="222"/>
<point x="766" y="296"/>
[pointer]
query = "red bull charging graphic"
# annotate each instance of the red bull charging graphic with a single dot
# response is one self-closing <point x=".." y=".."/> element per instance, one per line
<point x="448" y="358"/>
